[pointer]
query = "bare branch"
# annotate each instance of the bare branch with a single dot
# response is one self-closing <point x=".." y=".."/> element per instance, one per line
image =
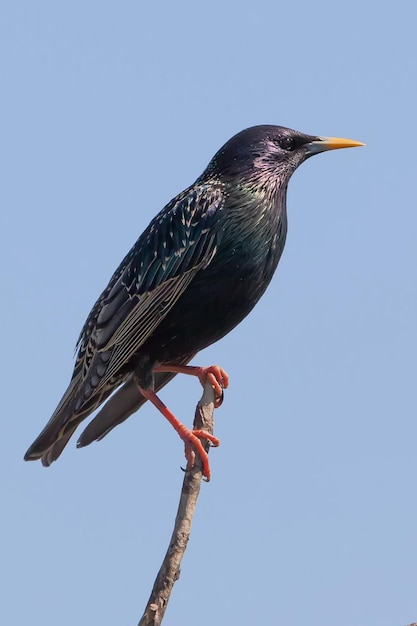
<point x="169" y="572"/>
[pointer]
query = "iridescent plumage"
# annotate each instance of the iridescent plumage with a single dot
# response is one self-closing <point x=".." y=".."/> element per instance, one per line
<point x="196" y="271"/>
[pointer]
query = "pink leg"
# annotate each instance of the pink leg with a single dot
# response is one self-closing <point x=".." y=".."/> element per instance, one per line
<point x="215" y="374"/>
<point x="190" y="437"/>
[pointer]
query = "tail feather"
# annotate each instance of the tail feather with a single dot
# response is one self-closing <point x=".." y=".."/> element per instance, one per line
<point x="48" y="437"/>
<point x="126" y="401"/>
<point x="55" y="450"/>
<point x="49" y="444"/>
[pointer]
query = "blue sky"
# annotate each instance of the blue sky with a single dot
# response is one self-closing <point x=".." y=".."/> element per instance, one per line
<point x="110" y="109"/>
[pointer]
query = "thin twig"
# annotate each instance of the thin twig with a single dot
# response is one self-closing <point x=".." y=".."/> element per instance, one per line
<point x="169" y="572"/>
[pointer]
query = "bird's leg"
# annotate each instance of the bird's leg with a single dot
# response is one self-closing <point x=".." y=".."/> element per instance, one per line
<point x="214" y="374"/>
<point x="189" y="437"/>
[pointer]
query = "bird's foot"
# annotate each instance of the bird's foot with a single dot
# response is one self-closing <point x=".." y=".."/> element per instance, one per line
<point x="218" y="379"/>
<point x="216" y="375"/>
<point x="191" y="438"/>
<point x="192" y="443"/>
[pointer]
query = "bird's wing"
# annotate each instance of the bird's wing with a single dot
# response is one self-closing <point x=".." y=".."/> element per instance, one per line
<point x="178" y="243"/>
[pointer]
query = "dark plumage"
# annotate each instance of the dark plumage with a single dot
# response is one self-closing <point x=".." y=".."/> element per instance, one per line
<point x="195" y="272"/>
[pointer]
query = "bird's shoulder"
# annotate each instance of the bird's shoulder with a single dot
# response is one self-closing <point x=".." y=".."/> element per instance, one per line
<point x="177" y="237"/>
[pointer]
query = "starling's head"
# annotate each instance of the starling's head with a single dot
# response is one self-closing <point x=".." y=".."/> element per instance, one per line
<point x="271" y="151"/>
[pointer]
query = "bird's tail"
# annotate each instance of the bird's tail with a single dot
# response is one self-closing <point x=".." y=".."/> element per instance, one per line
<point x="49" y="444"/>
<point x="54" y="429"/>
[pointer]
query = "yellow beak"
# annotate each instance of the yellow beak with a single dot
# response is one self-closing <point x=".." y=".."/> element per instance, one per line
<point x="331" y="143"/>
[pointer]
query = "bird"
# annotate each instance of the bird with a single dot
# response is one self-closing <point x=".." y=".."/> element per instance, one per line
<point x="195" y="273"/>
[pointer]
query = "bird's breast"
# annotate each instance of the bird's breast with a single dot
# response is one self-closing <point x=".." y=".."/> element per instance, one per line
<point x="221" y="295"/>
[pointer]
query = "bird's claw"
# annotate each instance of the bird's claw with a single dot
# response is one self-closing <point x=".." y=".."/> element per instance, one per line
<point x="218" y="378"/>
<point x="219" y="401"/>
<point x="193" y="443"/>
<point x="187" y="471"/>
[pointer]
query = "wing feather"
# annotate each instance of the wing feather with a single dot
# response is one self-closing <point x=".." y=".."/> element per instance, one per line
<point x="178" y="243"/>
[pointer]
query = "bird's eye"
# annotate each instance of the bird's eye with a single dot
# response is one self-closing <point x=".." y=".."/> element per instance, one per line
<point x="286" y="143"/>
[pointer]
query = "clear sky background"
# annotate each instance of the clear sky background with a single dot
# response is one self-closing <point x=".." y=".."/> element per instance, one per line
<point x="107" y="111"/>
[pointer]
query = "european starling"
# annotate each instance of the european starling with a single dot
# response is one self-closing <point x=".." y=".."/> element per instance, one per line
<point x="195" y="272"/>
